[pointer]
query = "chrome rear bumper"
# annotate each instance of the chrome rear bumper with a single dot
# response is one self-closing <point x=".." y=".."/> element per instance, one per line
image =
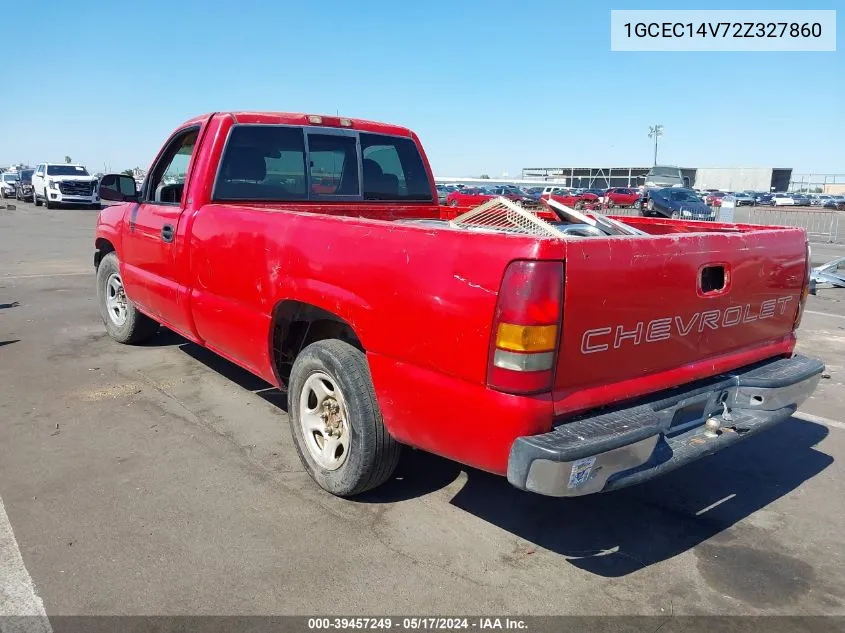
<point x="627" y="445"/>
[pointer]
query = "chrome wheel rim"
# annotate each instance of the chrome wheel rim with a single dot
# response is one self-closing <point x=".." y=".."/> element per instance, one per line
<point x="116" y="300"/>
<point x="324" y="420"/>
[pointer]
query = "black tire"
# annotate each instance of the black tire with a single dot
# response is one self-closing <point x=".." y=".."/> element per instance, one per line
<point x="453" y="203"/>
<point x="138" y="326"/>
<point x="47" y="202"/>
<point x="373" y="453"/>
<point x="35" y="199"/>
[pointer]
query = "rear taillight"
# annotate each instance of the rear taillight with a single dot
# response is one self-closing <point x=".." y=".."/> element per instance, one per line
<point x="805" y="289"/>
<point x="526" y="328"/>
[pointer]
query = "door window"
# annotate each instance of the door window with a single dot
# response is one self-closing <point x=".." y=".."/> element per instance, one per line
<point x="167" y="183"/>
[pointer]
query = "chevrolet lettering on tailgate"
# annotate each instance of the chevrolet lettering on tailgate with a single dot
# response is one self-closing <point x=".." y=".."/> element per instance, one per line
<point x="604" y="338"/>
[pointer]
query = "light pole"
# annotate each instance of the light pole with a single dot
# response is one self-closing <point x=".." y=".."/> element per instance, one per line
<point x="655" y="132"/>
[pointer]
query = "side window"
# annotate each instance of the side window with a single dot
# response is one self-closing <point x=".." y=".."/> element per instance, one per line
<point x="393" y="169"/>
<point x="333" y="165"/>
<point x="167" y="182"/>
<point x="262" y="162"/>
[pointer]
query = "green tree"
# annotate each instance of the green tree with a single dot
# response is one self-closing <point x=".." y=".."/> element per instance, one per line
<point x="128" y="172"/>
<point x="68" y="160"/>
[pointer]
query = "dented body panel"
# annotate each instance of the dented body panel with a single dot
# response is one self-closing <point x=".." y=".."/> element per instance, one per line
<point x="421" y="298"/>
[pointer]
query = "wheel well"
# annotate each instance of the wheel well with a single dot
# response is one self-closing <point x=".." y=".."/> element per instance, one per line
<point x="102" y="247"/>
<point x="297" y="325"/>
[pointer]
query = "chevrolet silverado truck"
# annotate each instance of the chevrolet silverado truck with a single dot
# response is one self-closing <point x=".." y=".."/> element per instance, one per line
<point x="310" y="251"/>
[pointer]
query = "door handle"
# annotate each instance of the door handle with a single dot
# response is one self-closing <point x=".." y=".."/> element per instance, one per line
<point x="167" y="233"/>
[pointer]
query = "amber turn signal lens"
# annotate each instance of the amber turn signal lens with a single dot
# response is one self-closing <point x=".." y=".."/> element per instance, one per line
<point x="526" y="338"/>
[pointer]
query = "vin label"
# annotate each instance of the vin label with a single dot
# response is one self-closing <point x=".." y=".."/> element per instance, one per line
<point x="723" y="30"/>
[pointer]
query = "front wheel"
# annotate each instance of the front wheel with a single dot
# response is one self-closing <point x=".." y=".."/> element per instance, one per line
<point x="35" y="199"/>
<point x="47" y="202"/>
<point x="675" y="215"/>
<point x="123" y="321"/>
<point x="335" y="420"/>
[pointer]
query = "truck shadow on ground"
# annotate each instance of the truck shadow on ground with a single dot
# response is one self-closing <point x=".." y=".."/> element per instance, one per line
<point x="612" y="534"/>
<point x="220" y="365"/>
<point x="617" y="533"/>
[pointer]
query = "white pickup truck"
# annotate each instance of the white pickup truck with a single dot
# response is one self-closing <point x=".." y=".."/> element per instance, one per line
<point x="60" y="183"/>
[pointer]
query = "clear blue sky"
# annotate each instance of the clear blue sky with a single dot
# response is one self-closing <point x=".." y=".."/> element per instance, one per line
<point x="490" y="87"/>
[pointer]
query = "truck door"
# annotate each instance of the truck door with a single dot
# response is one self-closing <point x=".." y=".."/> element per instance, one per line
<point x="152" y="238"/>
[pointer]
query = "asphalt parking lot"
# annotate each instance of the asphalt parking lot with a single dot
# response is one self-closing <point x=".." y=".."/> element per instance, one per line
<point x="163" y="480"/>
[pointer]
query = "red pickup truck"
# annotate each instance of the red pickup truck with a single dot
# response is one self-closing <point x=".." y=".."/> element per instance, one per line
<point x="310" y="250"/>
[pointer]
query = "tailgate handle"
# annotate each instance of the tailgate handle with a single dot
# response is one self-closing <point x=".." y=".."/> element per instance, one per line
<point x="712" y="279"/>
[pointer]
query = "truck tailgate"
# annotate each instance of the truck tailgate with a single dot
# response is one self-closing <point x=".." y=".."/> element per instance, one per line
<point x="655" y="306"/>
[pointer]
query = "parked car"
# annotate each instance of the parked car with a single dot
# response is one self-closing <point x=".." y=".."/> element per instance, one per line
<point x="563" y="195"/>
<point x="514" y="194"/>
<point x="661" y="176"/>
<point x="677" y="203"/>
<point x="443" y="192"/>
<point x="468" y="197"/>
<point x="714" y="199"/>
<point x="621" y="197"/>
<point x="59" y="183"/>
<point x="835" y="202"/>
<point x="8" y="184"/>
<point x="800" y="199"/>
<point x="586" y="381"/>
<point x="742" y="199"/>
<point x="782" y="200"/>
<point x="818" y="199"/>
<point x="23" y="191"/>
<point x="763" y="199"/>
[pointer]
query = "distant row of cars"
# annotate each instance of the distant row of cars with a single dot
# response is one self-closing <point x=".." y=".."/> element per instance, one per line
<point x="457" y="195"/>
<point x="714" y="198"/>
<point x="53" y="184"/>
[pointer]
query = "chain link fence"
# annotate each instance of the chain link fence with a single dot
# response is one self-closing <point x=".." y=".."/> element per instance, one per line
<point x="821" y="225"/>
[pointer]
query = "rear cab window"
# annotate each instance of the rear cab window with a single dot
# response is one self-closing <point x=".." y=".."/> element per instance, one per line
<point x="279" y="163"/>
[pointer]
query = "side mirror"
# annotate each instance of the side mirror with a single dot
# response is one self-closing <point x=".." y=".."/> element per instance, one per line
<point x="118" y="188"/>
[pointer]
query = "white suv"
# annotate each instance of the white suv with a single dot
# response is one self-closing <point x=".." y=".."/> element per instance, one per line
<point x="60" y="183"/>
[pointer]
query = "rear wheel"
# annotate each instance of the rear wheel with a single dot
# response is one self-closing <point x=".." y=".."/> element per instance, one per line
<point x="123" y="321"/>
<point x="335" y="420"/>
